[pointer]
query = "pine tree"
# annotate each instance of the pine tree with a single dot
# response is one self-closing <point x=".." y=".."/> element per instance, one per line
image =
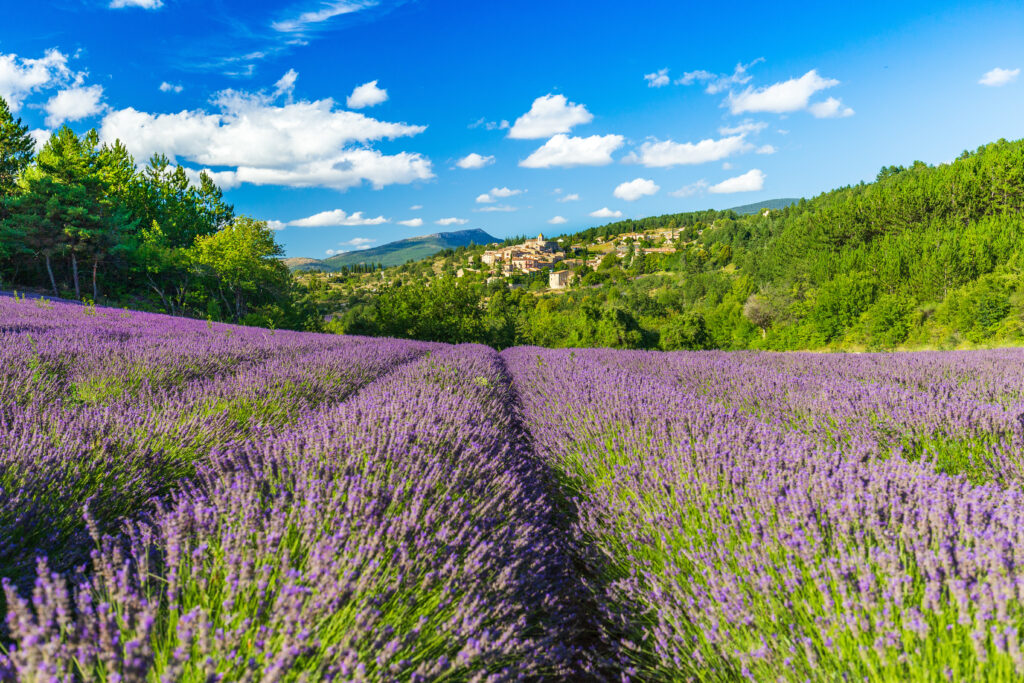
<point x="16" y="146"/>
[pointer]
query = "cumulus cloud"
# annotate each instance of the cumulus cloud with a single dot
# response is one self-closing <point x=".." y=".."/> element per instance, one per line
<point x="504" y="208"/>
<point x="751" y="181"/>
<point x="366" y="95"/>
<point x="557" y="220"/>
<point x="691" y="189"/>
<point x="830" y="109"/>
<point x="276" y="225"/>
<point x="562" y="150"/>
<point x="716" y="83"/>
<point x="780" y="98"/>
<point x="40" y="136"/>
<point x="497" y="192"/>
<point x="766" y="149"/>
<point x="635" y="189"/>
<point x="298" y="144"/>
<point x="21" y="77"/>
<point x="549" y="115"/>
<point x="171" y="87"/>
<point x="474" y="160"/>
<point x="451" y="221"/>
<point x="570" y="198"/>
<point x="74" y="104"/>
<point x="328" y="10"/>
<point x="415" y="207"/>
<point x="657" y="79"/>
<point x="336" y="217"/>
<point x="412" y="222"/>
<point x="667" y="153"/>
<point x="144" y="4"/>
<point x="606" y="213"/>
<point x="997" y="77"/>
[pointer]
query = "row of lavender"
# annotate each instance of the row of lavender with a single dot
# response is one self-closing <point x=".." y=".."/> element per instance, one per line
<point x="269" y="507"/>
<point x="786" y="517"/>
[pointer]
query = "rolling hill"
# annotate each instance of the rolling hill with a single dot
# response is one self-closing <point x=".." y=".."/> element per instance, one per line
<point x="394" y="253"/>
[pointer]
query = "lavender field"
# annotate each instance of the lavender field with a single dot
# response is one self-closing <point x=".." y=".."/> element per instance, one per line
<point x="185" y="501"/>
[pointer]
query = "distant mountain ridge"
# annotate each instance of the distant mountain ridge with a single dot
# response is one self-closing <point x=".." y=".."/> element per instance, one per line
<point x="395" y="253"/>
<point x="747" y="209"/>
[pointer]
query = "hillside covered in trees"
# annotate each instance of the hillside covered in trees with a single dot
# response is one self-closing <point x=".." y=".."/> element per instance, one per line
<point x="80" y="220"/>
<point x="924" y="256"/>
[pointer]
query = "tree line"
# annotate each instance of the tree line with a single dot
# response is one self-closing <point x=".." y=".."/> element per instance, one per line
<point x="80" y="219"/>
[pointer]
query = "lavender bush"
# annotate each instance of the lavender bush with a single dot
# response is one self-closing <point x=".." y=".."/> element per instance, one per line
<point x="197" y="502"/>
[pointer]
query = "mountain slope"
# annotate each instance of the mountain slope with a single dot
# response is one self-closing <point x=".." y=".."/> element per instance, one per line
<point x="748" y="209"/>
<point x="395" y="253"/>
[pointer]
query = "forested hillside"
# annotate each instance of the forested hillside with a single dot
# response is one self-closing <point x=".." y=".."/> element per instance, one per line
<point x="79" y="220"/>
<point x="924" y="256"/>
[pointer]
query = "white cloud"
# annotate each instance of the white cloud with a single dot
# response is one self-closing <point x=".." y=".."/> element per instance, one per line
<point x="717" y="83"/>
<point x="606" y="213"/>
<point x="997" y="77"/>
<point x="171" y="87"/>
<point x="474" y="160"/>
<point x="357" y="243"/>
<point x="505" y="192"/>
<point x="766" y="149"/>
<point x="746" y="128"/>
<point x="412" y="222"/>
<point x="691" y="189"/>
<point x="751" y="181"/>
<point x="557" y="220"/>
<point x="635" y="189"/>
<point x="549" y="115"/>
<point x="562" y="150"/>
<point x="668" y="153"/>
<point x="452" y="221"/>
<point x="489" y="125"/>
<point x="286" y="84"/>
<point x="144" y="4"/>
<point x="657" y="79"/>
<point x="276" y="225"/>
<point x="499" y="192"/>
<point x="300" y="144"/>
<point x="329" y="10"/>
<point x="415" y="207"/>
<point x="726" y="166"/>
<point x="366" y="95"/>
<point x="74" y="104"/>
<point x="780" y="98"/>
<point x="330" y="252"/>
<point x="40" y="136"/>
<point x="830" y="109"/>
<point x="21" y="77"/>
<point x="504" y="208"/>
<point x="570" y="198"/>
<point x="336" y="217"/>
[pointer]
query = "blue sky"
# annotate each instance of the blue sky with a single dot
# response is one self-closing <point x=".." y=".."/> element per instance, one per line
<point x="336" y="119"/>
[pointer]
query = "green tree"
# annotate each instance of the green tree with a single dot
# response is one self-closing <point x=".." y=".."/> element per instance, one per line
<point x="241" y="261"/>
<point x="16" y="146"/>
